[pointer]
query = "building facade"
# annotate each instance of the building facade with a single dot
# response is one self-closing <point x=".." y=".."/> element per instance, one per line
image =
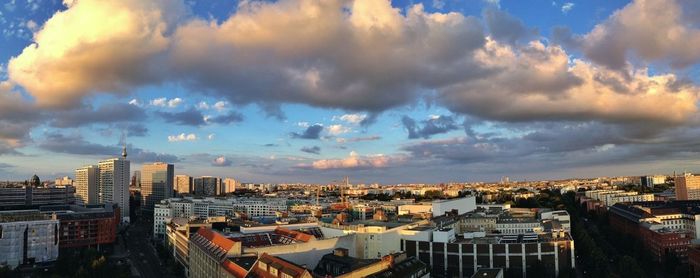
<point x="27" y="237"/>
<point x="86" y="226"/>
<point x="114" y="184"/>
<point x="207" y="186"/>
<point x="87" y="181"/>
<point x="33" y="197"/>
<point x="183" y="184"/>
<point x="156" y="184"/>
<point x="687" y="188"/>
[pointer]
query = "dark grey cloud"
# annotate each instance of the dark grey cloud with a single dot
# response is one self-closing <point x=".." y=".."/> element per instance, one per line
<point x="311" y="132"/>
<point x="228" y="118"/>
<point x="311" y="150"/>
<point x="506" y="27"/>
<point x="106" y="114"/>
<point x="433" y="126"/>
<point x="190" y="117"/>
<point x="76" y="144"/>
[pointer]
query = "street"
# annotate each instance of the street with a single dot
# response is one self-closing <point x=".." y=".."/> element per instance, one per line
<point x="142" y="254"/>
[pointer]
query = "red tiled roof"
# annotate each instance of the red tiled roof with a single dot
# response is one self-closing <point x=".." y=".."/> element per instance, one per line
<point x="283" y="265"/>
<point x="236" y="270"/>
<point x="296" y="235"/>
<point x="216" y="238"/>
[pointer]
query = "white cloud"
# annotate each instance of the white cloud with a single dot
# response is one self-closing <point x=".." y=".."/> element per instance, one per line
<point x="338" y="129"/>
<point x="220" y="105"/>
<point x="159" y="102"/>
<point x="211" y="136"/>
<point x="182" y="137"/>
<point x="355" y="161"/>
<point x="202" y="105"/>
<point x="303" y="124"/>
<point x="567" y="7"/>
<point x="174" y="102"/>
<point x="351" y="118"/>
<point x="135" y="102"/>
<point x="438" y="4"/>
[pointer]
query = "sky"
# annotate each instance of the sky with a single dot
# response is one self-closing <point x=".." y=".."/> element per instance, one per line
<point x="400" y="91"/>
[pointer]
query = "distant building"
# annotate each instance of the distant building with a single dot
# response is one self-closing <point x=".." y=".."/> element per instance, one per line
<point x="271" y="266"/>
<point x="64" y="181"/>
<point x="27" y="197"/>
<point x="687" y="188"/>
<point x="489" y="273"/>
<point x="27" y="237"/>
<point x="207" y="186"/>
<point x="114" y="183"/>
<point x="156" y="184"/>
<point x="340" y="264"/>
<point x="87" y="181"/>
<point x="229" y="185"/>
<point x="183" y="184"/>
<point x="136" y="179"/>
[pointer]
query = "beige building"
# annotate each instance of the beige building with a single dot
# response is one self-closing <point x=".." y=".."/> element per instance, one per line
<point x="229" y="185"/>
<point x="688" y="188"/>
<point x="156" y="183"/>
<point x="183" y="184"/>
<point x="86" y="185"/>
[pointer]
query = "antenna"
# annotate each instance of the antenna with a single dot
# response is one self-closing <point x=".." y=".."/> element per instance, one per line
<point x="124" y="142"/>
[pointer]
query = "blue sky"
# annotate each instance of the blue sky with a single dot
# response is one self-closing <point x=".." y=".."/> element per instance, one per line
<point x="389" y="92"/>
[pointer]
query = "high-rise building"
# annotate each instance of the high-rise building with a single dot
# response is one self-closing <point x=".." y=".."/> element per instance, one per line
<point x="687" y="188"/>
<point x="87" y="181"/>
<point x="114" y="183"/>
<point x="229" y="185"/>
<point x="156" y="183"/>
<point x="28" y="237"/>
<point x="183" y="184"/>
<point x="136" y="179"/>
<point x="207" y="186"/>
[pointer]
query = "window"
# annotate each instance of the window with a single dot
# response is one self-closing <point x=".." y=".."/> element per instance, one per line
<point x="262" y="266"/>
<point x="273" y="271"/>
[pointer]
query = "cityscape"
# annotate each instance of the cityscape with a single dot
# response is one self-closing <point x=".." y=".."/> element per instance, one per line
<point x="349" y="138"/>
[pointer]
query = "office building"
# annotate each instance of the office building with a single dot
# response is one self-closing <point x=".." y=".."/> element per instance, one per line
<point x="207" y="186"/>
<point x="82" y="226"/>
<point x="26" y="197"/>
<point x="687" y="188"/>
<point x="27" y="237"/>
<point x="156" y="184"/>
<point x="183" y="184"/>
<point x="87" y="184"/>
<point x="114" y="183"/>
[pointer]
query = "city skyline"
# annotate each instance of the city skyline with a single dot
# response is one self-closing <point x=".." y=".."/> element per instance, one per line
<point x="381" y="91"/>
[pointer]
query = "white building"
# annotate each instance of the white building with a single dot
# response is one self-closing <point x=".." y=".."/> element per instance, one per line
<point x="87" y="184"/>
<point x="29" y="235"/>
<point x="211" y="206"/>
<point x="114" y="183"/>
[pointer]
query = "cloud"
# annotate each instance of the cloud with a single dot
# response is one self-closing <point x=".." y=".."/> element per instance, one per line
<point x="182" y="137"/>
<point x="311" y="150"/>
<point x="358" y="139"/>
<point x="202" y="105"/>
<point x="231" y="117"/>
<point x="657" y="31"/>
<point x="95" y="45"/>
<point x="17" y="118"/>
<point x="351" y="118"/>
<point x="338" y="129"/>
<point x="76" y="144"/>
<point x="211" y="136"/>
<point x="174" y="102"/>
<point x="312" y="132"/>
<point x="220" y="105"/>
<point x="105" y="114"/>
<point x="221" y="161"/>
<point x="505" y="27"/>
<point x="539" y="83"/>
<point x="434" y="125"/>
<point x="567" y="7"/>
<point x="354" y="161"/>
<point x="135" y="102"/>
<point x="163" y="102"/>
<point x="189" y="117"/>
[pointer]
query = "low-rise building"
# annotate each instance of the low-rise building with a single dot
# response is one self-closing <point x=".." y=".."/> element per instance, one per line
<point x="27" y="237"/>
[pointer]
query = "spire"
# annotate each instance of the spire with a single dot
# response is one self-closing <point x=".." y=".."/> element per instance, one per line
<point x="124" y="151"/>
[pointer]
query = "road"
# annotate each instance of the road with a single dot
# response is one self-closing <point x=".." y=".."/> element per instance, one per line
<point x="142" y="254"/>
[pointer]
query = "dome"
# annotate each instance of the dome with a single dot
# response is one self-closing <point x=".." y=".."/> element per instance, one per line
<point x="35" y="181"/>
